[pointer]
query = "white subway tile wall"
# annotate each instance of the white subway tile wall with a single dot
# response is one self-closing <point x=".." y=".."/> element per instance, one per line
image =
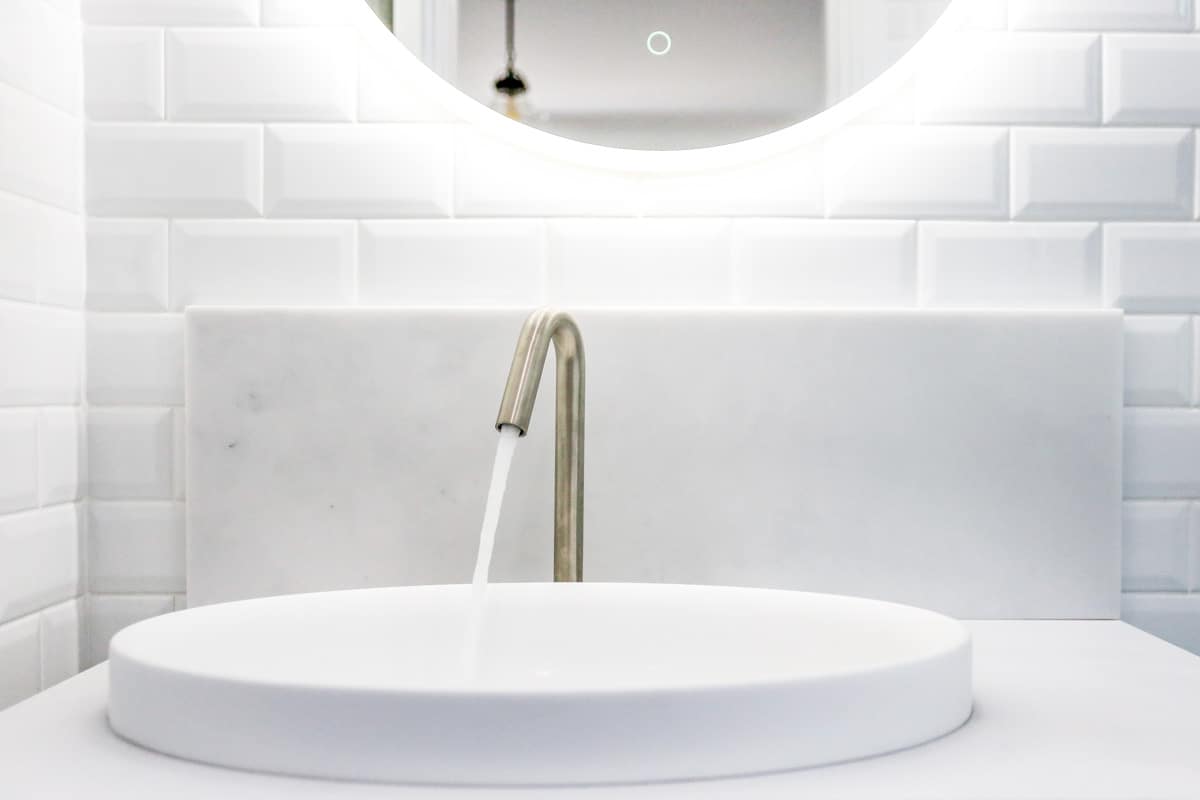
<point x="1161" y="447"/>
<point x="1010" y="264"/>
<point x="1158" y="360"/>
<point x="178" y="170"/>
<point x="620" y="262"/>
<point x="135" y="359"/>
<point x="448" y="262"/>
<point x="1134" y="91"/>
<point x="171" y="12"/>
<point x="41" y="159"/>
<point x="135" y="547"/>
<point x="830" y="264"/>
<point x="908" y="171"/>
<point x="125" y="73"/>
<point x="1111" y="173"/>
<point x="1047" y="158"/>
<point x="109" y="613"/>
<point x="251" y="74"/>
<point x="1155" y="540"/>
<point x="130" y="453"/>
<point x="261" y="262"/>
<point x="127" y="265"/>
<point x="1152" y="267"/>
<point x="1033" y="78"/>
<point x="493" y="179"/>
<point x="42" y="284"/>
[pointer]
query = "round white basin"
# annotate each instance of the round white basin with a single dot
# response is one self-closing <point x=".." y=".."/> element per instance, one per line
<point x="571" y="683"/>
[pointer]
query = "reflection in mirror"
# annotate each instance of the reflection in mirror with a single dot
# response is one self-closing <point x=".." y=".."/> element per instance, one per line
<point x="659" y="74"/>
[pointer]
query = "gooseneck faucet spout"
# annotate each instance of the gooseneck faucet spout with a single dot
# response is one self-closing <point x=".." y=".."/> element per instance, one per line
<point x="516" y="407"/>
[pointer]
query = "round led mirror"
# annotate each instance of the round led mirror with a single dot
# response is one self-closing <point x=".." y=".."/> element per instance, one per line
<point x="659" y="74"/>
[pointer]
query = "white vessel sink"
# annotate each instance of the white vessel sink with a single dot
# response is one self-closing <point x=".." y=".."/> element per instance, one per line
<point x="574" y="683"/>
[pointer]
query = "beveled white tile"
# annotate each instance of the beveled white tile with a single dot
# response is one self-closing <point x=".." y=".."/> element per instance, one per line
<point x="135" y="359"/>
<point x="58" y="67"/>
<point x="261" y="262"/>
<point x="906" y="171"/>
<point x="179" y="448"/>
<point x="1160" y="453"/>
<point x="1194" y="548"/>
<point x="301" y="12"/>
<point x="41" y="158"/>
<point x="19" y="246"/>
<point x="787" y="185"/>
<point x="650" y="262"/>
<point x="19" y="24"/>
<point x="174" y="170"/>
<point x="62" y="259"/>
<point x="41" y="252"/>
<point x="61" y="633"/>
<point x="42" y="353"/>
<point x="1076" y="173"/>
<point x="18" y="460"/>
<point x="1158" y="360"/>
<point x="1010" y="264"/>
<point x="1152" y="266"/>
<point x="1196" y="361"/>
<point x="60" y="455"/>
<point x="40" y="52"/>
<point x="803" y="263"/>
<point x="39" y="560"/>
<point x="171" y="12"/>
<point x="108" y="614"/>
<point x="20" y="661"/>
<point x="135" y="547"/>
<point x="358" y="171"/>
<point x="230" y="75"/>
<point x="1174" y="617"/>
<point x="129" y="453"/>
<point x="1006" y="78"/>
<point x="1098" y="15"/>
<point x="1155" y="546"/>
<point x="1152" y="78"/>
<point x="127" y="265"/>
<point x="124" y="73"/>
<point x="493" y="179"/>
<point x="452" y="262"/>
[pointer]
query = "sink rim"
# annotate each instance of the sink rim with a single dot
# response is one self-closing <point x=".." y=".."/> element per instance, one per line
<point x="952" y="635"/>
<point x="532" y="734"/>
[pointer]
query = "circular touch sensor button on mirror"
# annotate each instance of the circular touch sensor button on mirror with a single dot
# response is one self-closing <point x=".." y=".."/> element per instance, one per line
<point x="659" y="43"/>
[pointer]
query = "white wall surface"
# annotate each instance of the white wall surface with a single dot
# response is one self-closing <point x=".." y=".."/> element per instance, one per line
<point x="41" y="344"/>
<point x="263" y="152"/>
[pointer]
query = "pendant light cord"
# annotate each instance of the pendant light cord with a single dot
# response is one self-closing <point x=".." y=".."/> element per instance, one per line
<point x="510" y="33"/>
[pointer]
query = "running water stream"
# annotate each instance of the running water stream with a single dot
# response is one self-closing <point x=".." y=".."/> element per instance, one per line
<point x="505" y="448"/>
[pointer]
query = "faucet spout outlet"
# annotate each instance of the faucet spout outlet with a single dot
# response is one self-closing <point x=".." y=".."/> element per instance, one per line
<point x="543" y="328"/>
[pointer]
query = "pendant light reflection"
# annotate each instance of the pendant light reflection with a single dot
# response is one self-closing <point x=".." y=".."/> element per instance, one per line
<point x="511" y="90"/>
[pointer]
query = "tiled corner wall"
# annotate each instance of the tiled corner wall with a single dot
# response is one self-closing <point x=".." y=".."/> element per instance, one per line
<point x="275" y="152"/>
<point x="41" y="344"/>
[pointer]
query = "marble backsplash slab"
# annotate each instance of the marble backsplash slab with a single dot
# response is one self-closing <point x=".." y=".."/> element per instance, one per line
<point x="963" y="461"/>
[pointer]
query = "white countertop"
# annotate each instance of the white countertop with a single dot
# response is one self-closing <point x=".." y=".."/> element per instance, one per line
<point x="1062" y="710"/>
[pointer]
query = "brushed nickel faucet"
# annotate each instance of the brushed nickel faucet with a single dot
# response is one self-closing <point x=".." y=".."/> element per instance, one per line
<point x="516" y="408"/>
